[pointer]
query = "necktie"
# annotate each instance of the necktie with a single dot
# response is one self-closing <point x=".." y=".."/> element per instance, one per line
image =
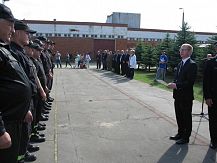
<point x="180" y="67"/>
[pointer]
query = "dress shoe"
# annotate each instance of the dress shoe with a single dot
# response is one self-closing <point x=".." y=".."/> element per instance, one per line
<point x="42" y="124"/>
<point x="49" y="104"/>
<point x="43" y="118"/>
<point x="50" y="99"/>
<point x="41" y="134"/>
<point x="32" y="148"/>
<point x="40" y="128"/>
<point x="45" y="111"/>
<point x="213" y="146"/>
<point x="37" y="139"/>
<point x="29" y="157"/>
<point x="46" y="108"/>
<point x="182" y="141"/>
<point x="45" y="115"/>
<point x="176" y="137"/>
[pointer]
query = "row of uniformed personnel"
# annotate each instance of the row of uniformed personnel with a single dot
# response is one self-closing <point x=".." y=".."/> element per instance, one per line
<point x="26" y="77"/>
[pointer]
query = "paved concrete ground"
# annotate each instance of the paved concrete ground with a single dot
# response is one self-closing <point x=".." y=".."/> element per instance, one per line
<point x="99" y="117"/>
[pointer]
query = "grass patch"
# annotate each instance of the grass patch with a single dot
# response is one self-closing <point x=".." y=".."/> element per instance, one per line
<point x="148" y="77"/>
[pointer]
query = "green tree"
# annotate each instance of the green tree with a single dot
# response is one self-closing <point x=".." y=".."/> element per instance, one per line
<point x="139" y="51"/>
<point x="148" y="58"/>
<point x="183" y="36"/>
<point x="210" y="48"/>
<point x="166" y="45"/>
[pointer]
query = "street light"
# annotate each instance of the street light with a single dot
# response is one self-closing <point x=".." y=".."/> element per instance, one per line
<point x="183" y="17"/>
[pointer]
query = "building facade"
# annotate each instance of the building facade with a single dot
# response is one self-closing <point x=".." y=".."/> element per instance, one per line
<point x="83" y="37"/>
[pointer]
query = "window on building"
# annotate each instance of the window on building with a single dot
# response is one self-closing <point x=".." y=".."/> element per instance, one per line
<point x="50" y="34"/>
<point x="69" y="35"/>
<point x="95" y="36"/>
<point x="65" y="35"/>
<point x="92" y="36"/>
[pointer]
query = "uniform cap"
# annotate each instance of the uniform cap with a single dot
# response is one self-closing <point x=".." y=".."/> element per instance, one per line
<point x="20" y="25"/>
<point x="5" y="13"/>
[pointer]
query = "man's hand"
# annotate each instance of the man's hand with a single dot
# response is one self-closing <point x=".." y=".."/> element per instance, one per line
<point x="43" y="95"/>
<point x="28" y="117"/>
<point x="5" y="141"/>
<point x="209" y="102"/>
<point x="172" y="85"/>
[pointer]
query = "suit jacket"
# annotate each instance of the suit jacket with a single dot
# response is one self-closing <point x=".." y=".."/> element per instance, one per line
<point x="184" y="79"/>
<point x="210" y="79"/>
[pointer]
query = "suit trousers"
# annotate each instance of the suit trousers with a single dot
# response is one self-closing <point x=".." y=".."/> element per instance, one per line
<point x="10" y="155"/>
<point x="183" y="111"/>
<point x="212" y="111"/>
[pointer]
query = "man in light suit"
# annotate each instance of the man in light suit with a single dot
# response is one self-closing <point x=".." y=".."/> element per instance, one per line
<point x="183" y="94"/>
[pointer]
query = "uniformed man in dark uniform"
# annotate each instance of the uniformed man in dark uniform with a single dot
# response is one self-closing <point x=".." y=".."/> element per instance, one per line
<point x="14" y="87"/>
<point x="47" y="63"/>
<point x="19" y="40"/>
<point x="41" y="95"/>
<point x="210" y="95"/>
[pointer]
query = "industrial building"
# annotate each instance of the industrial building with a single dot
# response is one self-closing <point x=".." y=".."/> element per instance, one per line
<point x="121" y="31"/>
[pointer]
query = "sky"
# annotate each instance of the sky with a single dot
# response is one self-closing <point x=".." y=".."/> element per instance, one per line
<point x="155" y="14"/>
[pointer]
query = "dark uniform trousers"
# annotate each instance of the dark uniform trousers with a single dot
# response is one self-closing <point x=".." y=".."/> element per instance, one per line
<point x="10" y="155"/>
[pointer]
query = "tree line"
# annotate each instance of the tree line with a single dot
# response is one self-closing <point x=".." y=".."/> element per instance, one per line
<point x="148" y="55"/>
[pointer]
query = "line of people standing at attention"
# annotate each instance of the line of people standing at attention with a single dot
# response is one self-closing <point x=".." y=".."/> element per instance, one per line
<point x="26" y="77"/>
<point x="121" y="62"/>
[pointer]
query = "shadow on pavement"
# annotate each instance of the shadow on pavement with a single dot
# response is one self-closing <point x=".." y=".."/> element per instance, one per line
<point x="176" y="153"/>
<point x="210" y="156"/>
<point x="115" y="77"/>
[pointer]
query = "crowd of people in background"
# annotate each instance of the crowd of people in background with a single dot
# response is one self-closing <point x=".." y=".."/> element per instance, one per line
<point x="122" y="62"/>
<point x="80" y="61"/>
<point x="26" y="77"/>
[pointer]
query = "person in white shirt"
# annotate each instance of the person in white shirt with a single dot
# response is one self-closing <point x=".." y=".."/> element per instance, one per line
<point x="132" y="63"/>
<point x="58" y="59"/>
<point x="87" y="60"/>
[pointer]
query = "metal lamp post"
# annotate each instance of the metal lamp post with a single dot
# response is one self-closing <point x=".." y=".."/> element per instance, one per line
<point x="183" y="17"/>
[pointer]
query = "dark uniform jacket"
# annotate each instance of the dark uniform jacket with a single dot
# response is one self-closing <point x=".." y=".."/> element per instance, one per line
<point x="184" y="79"/>
<point x="46" y="62"/>
<point x="26" y="63"/>
<point x="40" y="72"/>
<point x="210" y="80"/>
<point x="15" y="90"/>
